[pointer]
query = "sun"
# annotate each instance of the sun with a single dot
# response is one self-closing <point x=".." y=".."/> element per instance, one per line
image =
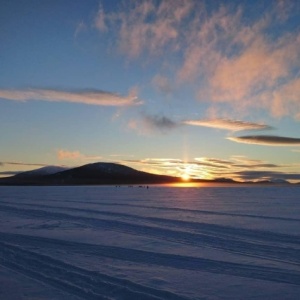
<point x="185" y="177"/>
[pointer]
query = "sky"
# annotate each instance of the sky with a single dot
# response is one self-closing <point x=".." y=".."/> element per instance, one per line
<point x="205" y="89"/>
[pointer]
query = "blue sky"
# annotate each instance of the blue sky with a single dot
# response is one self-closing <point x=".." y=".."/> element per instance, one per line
<point x="205" y="88"/>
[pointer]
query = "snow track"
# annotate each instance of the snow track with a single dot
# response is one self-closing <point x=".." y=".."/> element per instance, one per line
<point x="74" y="280"/>
<point x="146" y="257"/>
<point x="214" y="236"/>
<point x="98" y="243"/>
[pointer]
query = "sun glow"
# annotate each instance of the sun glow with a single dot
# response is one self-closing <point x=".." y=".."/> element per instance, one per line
<point x="185" y="177"/>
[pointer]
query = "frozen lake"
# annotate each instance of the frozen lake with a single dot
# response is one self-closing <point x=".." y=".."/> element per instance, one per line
<point x="159" y="243"/>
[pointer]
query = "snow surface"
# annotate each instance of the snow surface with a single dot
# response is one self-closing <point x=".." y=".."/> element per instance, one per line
<point x="157" y="243"/>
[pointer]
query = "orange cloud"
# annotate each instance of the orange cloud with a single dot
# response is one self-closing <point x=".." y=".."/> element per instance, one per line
<point x="286" y="100"/>
<point x="74" y="155"/>
<point x="64" y="154"/>
<point x="260" y="66"/>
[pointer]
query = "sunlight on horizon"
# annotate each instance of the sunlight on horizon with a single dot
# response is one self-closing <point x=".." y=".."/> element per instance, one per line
<point x="185" y="177"/>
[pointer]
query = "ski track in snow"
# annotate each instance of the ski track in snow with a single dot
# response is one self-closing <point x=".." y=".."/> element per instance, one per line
<point x="214" y="238"/>
<point x="83" y="283"/>
<point x="30" y="219"/>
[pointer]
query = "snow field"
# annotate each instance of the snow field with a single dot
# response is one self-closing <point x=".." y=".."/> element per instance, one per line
<point x="161" y="243"/>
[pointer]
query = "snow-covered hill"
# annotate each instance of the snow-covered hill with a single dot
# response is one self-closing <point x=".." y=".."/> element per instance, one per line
<point x="95" y="173"/>
<point x="48" y="170"/>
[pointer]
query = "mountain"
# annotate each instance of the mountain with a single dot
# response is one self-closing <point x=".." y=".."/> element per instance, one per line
<point x="96" y="174"/>
<point x="48" y="170"/>
<point x="107" y="173"/>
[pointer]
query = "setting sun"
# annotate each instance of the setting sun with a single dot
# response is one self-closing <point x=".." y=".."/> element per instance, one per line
<point x="185" y="177"/>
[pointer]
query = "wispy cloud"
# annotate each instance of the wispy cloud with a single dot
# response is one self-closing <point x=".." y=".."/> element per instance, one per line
<point x="81" y="27"/>
<point x="2" y="163"/>
<point x="285" y="99"/>
<point x="100" y="20"/>
<point x="74" y="155"/>
<point x="242" y="65"/>
<point x="233" y="125"/>
<point x="9" y="173"/>
<point x="147" y="124"/>
<point x="268" y="140"/>
<point x="267" y="175"/>
<point x="145" y="26"/>
<point x="90" y="97"/>
<point x="230" y="62"/>
<point x="162" y="84"/>
<point x="239" y="168"/>
<point x="244" y="162"/>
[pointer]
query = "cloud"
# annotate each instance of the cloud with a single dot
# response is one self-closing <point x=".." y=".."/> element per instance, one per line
<point x="74" y="155"/>
<point x="268" y="140"/>
<point x="145" y="26"/>
<point x="2" y="163"/>
<point x="159" y="122"/>
<point x="121" y="155"/>
<point x="81" y="27"/>
<point x="9" y="173"/>
<point x="239" y="168"/>
<point x="267" y="175"/>
<point x="259" y="65"/>
<point x="230" y="56"/>
<point x="244" y="162"/>
<point x="227" y="124"/>
<point x="286" y="99"/>
<point x="214" y="161"/>
<point x="100" y="21"/>
<point x="242" y="64"/>
<point x="254" y="78"/>
<point x="64" y="154"/>
<point x="147" y="124"/>
<point x="90" y="97"/>
<point x="206" y="32"/>
<point x="162" y="84"/>
<point x="167" y="166"/>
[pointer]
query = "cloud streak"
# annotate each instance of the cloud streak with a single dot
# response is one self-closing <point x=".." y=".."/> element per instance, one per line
<point x="226" y="124"/>
<point x="2" y="163"/>
<point x="268" y="175"/>
<point x="9" y="173"/>
<point x="268" y="140"/>
<point x="74" y="155"/>
<point x="89" y="97"/>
